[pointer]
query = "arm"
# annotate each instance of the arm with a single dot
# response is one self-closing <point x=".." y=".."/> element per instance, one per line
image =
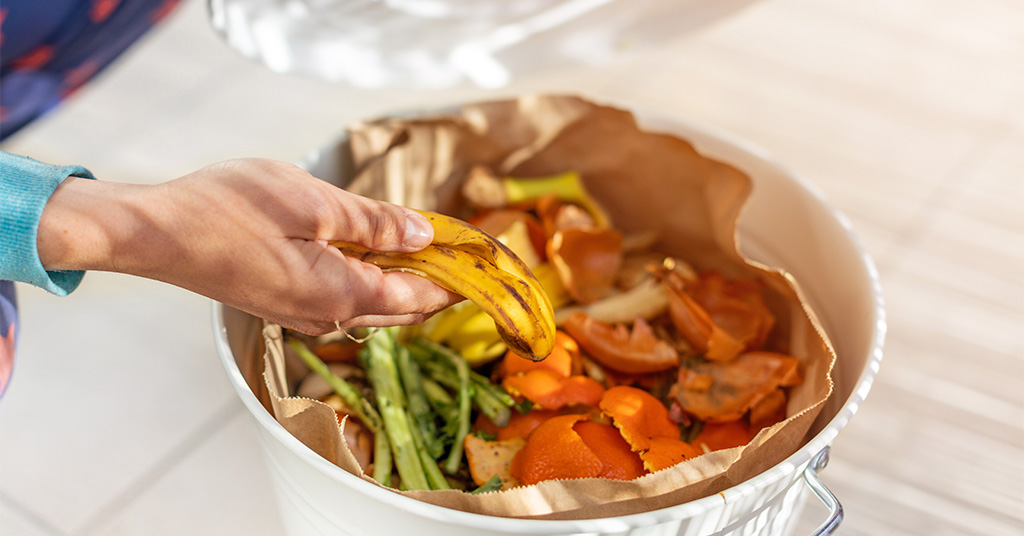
<point x="249" y="233"/>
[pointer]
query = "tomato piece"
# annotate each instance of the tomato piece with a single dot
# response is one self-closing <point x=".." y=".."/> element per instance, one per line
<point x="736" y="306"/>
<point x="636" y="351"/>
<point x="768" y="410"/>
<point x="693" y="322"/>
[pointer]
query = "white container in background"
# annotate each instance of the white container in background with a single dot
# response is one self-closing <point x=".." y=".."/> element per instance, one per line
<point x="785" y="223"/>
<point x="448" y="43"/>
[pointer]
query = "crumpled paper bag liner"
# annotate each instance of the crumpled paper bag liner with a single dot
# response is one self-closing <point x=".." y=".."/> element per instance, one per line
<point x="646" y="181"/>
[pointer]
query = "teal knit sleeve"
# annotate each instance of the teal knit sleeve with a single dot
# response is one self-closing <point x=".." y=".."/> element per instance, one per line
<point x="25" y="187"/>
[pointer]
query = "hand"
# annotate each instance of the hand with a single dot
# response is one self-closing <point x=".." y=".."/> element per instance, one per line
<point x="251" y="234"/>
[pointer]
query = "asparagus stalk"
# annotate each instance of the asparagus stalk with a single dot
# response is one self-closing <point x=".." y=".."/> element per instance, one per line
<point x="464" y="400"/>
<point x="490" y="399"/>
<point x="435" y="477"/>
<point x="420" y="410"/>
<point x="382" y="462"/>
<point x="358" y="405"/>
<point x="424" y="429"/>
<point x="382" y="371"/>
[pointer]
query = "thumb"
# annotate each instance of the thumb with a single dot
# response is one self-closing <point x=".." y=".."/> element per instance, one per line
<point x="382" y="226"/>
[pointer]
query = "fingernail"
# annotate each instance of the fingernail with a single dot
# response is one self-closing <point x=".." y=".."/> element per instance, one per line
<point x="418" y="231"/>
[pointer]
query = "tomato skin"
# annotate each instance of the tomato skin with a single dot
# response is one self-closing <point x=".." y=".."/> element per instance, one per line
<point x="636" y="351"/>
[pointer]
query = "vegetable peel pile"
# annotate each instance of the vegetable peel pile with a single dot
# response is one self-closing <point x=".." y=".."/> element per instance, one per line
<point x="652" y="362"/>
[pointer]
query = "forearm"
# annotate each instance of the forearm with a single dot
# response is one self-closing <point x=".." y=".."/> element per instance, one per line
<point x="93" y="225"/>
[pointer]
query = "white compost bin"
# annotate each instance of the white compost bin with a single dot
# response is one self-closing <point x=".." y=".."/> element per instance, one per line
<point x="785" y="223"/>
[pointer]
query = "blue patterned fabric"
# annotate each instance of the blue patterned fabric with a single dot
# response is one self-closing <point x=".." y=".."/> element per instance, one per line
<point x="8" y="332"/>
<point x="52" y="47"/>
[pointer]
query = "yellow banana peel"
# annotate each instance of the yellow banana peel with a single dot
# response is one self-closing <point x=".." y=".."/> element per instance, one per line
<point x="480" y="352"/>
<point x="517" y="238"/>
<point x="465" y="260"/>
<point x="549" y="279"/>
<point x="478" y="328"/>
<point x="441" y="326"/>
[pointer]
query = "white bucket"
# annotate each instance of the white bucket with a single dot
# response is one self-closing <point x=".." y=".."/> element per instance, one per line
<point x="786" y="223"/>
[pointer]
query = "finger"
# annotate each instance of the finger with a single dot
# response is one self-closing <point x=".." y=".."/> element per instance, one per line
<point x="402" y="293"/>
<point x="365" y="321"/>
<point x="364" y="289"/>
<point x="383" y="321"/>
<point x="382" y="226"/>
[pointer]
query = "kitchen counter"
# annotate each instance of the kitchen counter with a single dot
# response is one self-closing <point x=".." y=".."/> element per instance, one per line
<point x="908" y="116"/>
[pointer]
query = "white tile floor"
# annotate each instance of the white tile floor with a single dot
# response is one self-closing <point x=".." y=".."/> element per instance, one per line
<point x="908" y="115"/>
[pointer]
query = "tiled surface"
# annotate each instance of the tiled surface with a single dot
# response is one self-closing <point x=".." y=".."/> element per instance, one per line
<point x="908" y="115"/>
<point x="188" y="499"/>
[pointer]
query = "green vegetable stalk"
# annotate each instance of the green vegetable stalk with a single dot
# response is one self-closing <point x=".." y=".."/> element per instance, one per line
<point x="382" y="371"/>
<point x="464" y="400"/>
<point x="438" y="362"/>
<point x="419" y="405"/>
<point x="358" y="405"/>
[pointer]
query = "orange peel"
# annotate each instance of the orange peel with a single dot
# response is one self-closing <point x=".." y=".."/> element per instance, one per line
<point x="562" y="359"/>
<point x="638" y="415"/>
<point x="723" y="435"/>
<point x="555" y="451"/>
<point x="548" y="390"/>
<point x="664" y="452"/>
<point x="620" y="462"/>
<point x="522" y="424"/>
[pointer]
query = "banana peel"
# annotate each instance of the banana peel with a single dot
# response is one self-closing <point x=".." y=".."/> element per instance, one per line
<point x="517" y="238"/>
<point x="479" y="328"/>
<point x="467" y="261"/>
<point x="552" y="284"/>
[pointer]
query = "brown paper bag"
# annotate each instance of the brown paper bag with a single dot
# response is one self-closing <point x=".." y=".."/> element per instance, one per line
<point x="647" y="181"/>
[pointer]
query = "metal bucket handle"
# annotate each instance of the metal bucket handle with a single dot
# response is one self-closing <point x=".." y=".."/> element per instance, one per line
<point x="835" y="510"/>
